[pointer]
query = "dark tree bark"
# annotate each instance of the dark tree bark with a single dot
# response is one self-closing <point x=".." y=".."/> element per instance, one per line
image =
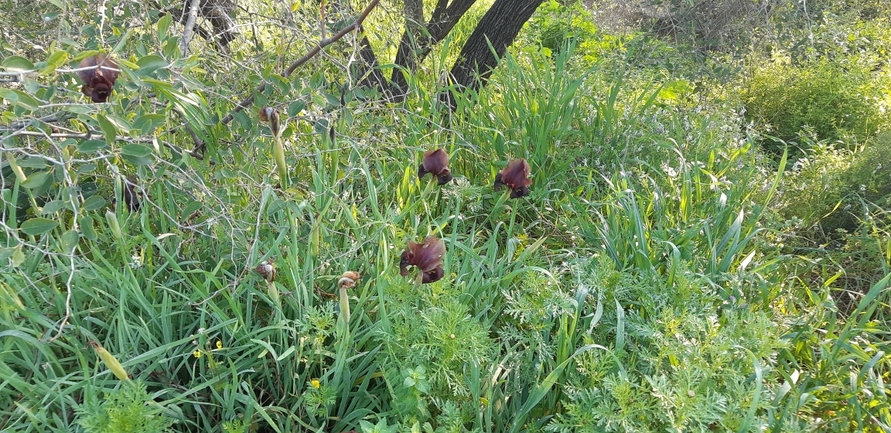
<point x="499" y="27"/>
<point x="221" y="15"/>
<point x="373" y="77"/>
<point x="420" y="37"/>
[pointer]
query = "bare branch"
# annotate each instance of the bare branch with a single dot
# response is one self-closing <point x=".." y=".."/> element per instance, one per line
<point x="355" y="26"/>
<point x="190" y="24"/>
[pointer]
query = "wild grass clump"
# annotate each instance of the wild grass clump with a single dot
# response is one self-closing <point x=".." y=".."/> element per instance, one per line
<point x="637" y="286"/>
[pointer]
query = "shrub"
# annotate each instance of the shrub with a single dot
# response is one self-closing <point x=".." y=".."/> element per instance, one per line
<point x="830" y="101"/>
<point x="125" y="410"/>
<point x="711" y="25"/>
<point x="556" y="26"/>
<point x="833" y="189"/>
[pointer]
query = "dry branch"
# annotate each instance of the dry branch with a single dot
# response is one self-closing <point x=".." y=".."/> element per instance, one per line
<point x="355" y="26"/>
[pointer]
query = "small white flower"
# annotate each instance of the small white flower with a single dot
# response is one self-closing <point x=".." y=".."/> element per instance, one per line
<point x="135" y="261"/>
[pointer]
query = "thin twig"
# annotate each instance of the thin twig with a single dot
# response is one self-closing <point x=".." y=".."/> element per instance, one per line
<point x="355" y="26"/>
<point x="83" y="136"/>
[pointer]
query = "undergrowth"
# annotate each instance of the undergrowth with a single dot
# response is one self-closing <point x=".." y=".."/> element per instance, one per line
<point x="643" y="284"/>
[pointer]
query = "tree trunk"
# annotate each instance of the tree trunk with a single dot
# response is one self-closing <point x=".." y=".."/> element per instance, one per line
<point x="419" y="37"/>
<point x="368" y="67"/>
<point x="499" y="27"/>
<point x="221" y="15"/>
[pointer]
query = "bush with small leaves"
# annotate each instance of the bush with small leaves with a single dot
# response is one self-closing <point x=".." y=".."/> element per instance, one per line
<point x="835" y="188"/>
<point x="830" y="100"/>
<point x="124" y="410"/>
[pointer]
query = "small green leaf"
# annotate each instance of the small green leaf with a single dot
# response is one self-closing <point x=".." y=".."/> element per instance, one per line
<point x="136" y="150"/>
<point x="78" y="109"/>
<point x="20" y="99"/>
<point x="122" y="41"/>
<point x="53" y="206"/>
<point x="158" y="85"/>
<point x="192" y="208"/>
<point x="6" y="254"/>
<point x="276" y="206"/>
<point x="91" y="146"/>
<point x="32" y="162"/>
<point x="321" y="126"/>
<point x="17" y="63"/>
<point x="164" y="27"/>
<point x="36" y="179"/>
<point x="69" y="241"/>
<point x="93" y="203"/>
<point x="242" y="119"/>
<point x="108" y="128"/>
<point x="317" y="80"/>
<point x="149" y="122"/>
<point x="18" y="257"/>
<point x="9" y="95"/>
<point x="137" y="154"/>
<point x="120" y="123"/>
<point x="150" y="64"/>
<point x="333" y="99"/>
<point x="280" y="83"/>
<point x="27" y="101"/>
<point x="86" y="228"/>
<point x="295" y="108"/>
<point x="87" y="168"/>
<point x="38" y="226"/>
<point x="56" y="59"/>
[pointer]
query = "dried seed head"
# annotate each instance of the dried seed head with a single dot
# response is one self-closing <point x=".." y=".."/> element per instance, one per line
<point x="99" y="79"/>
<point x="131" y="197"/>
<point x="269" y="114"/>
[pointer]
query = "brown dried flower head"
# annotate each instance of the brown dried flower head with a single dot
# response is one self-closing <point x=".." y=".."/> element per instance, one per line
<point x="436" y="162"/>
<point x="426" y="256"/>
<point x="516" y="177"/>
<point x="267" y="270"/>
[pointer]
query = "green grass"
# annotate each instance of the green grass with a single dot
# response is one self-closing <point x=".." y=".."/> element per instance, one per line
<point x="639" y="287"/>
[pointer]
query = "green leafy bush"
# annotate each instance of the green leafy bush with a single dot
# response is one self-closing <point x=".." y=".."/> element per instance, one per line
<point x="710" y="25"/>
<point x="833" y="189"/>
<point x="556" y="25"/>
<point x="125" y="410"/>
<point x="830" y="100"/>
